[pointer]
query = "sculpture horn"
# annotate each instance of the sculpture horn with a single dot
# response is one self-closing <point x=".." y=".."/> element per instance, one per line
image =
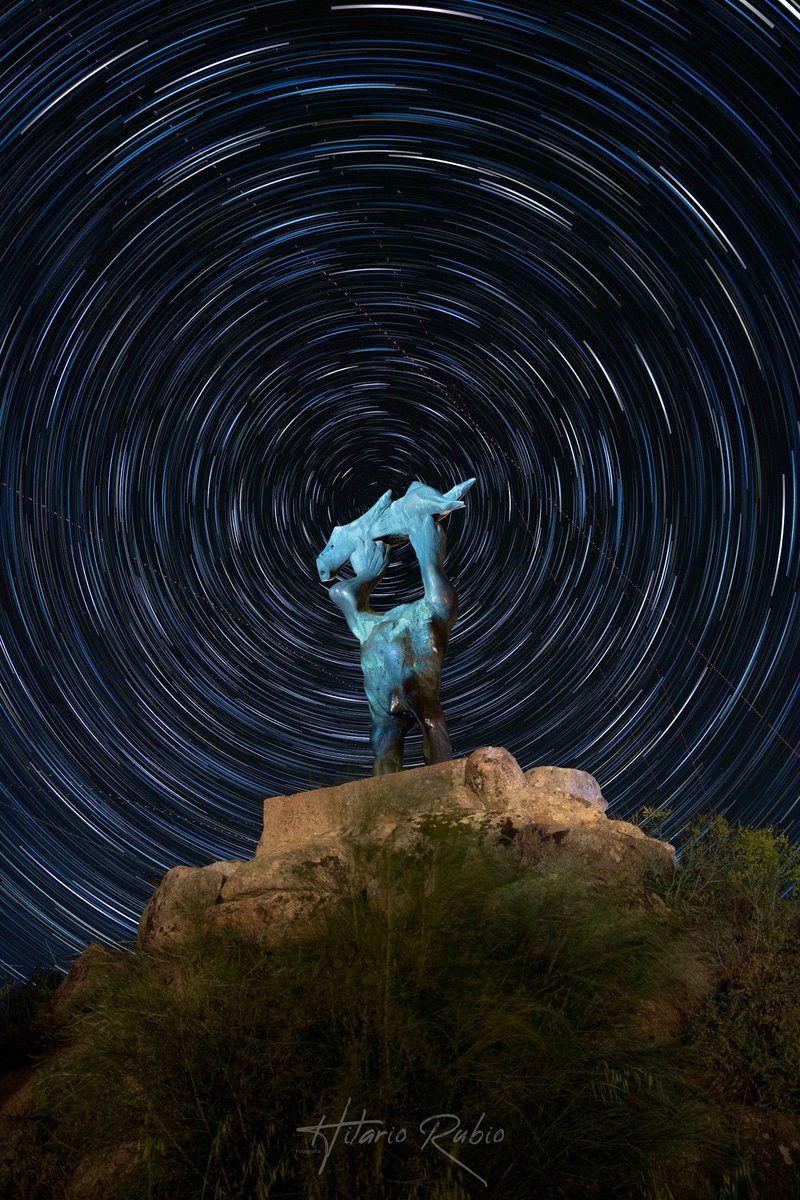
<point x="456" y="492"/>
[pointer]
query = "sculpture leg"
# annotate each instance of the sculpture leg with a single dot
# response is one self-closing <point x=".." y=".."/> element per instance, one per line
<point x="435" y="740"/>
<point x="388" y="736"/>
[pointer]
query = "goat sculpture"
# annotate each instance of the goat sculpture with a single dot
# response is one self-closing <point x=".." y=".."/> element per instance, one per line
<point x="402" y="649"/>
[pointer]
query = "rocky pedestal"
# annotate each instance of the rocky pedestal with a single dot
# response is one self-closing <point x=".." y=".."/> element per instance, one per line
<point x="539" y="814"/>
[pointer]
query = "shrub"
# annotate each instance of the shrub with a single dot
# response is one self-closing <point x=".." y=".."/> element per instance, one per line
<point x="747" y="1036"/>
<point x="737" y="890"/>
<point x="732" y="873"/>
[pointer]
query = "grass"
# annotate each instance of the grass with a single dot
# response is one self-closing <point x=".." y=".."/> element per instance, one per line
<point x="444" y="981"/>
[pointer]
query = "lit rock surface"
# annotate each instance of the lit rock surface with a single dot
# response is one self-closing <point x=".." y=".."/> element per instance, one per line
<point x="542" y="814"/>
<point x="183" y="897"/>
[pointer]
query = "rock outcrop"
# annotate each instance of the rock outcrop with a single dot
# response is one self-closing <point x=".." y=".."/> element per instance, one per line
<point x="540" y="815"/>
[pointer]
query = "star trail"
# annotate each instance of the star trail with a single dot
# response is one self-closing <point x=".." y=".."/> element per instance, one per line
<point x="263" y="261"/>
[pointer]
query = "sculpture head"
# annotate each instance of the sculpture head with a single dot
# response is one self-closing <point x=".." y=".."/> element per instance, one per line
<point x="346" y="540"/>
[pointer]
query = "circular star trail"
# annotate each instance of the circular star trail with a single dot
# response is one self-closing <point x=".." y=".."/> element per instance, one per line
<point x="262" y="262"/>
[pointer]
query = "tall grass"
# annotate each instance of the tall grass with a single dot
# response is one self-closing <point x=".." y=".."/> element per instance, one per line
<point x="455" y="986"/>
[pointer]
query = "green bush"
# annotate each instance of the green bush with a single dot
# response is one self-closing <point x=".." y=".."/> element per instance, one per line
<point x="455" y="987"/>
<point x="732" y="873"/>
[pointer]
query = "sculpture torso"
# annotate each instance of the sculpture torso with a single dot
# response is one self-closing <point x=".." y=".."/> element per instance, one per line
<point x="401" y="656"/>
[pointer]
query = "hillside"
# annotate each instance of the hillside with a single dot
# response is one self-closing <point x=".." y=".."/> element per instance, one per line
<point x="462" y="980"/>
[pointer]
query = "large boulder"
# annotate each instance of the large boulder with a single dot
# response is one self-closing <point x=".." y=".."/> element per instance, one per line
<point x="181" y="901"/>
<point x="308" y="840"/>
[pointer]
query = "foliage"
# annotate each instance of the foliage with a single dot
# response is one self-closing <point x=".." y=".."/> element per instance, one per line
<point x="654" y="821"/>
<point x="747" y="1035"/>
<point x="737" y="889"/>
<point x="454" y="986"/>
<point x="740" y="875"/>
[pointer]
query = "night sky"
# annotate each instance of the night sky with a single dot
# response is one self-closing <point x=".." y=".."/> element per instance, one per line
<point x="263" y="261"/>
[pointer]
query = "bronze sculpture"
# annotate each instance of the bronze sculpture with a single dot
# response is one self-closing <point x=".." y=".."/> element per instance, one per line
<point x="402" y="649"/>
